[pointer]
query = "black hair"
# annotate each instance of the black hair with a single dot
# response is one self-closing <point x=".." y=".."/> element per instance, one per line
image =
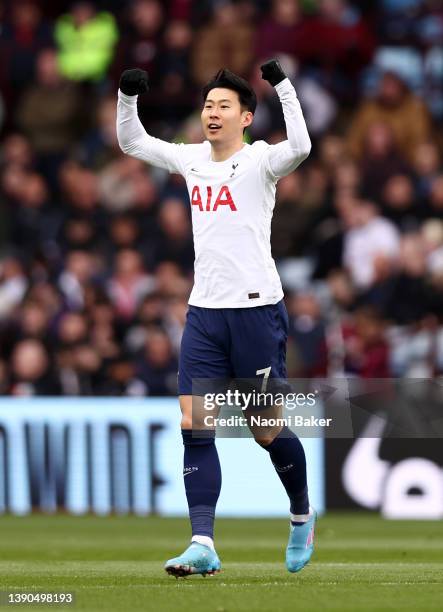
<point x="227" y="79"/>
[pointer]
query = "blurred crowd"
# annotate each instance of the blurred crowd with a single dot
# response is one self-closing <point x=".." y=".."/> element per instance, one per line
<point x="96" y="253"/>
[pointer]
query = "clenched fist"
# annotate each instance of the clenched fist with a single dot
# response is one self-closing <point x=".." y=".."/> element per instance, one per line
<point x="134" y="82"/>
<point x="272" y="72"/>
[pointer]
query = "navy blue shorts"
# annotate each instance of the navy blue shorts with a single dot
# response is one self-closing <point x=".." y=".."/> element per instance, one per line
<point x="227" y="343"/>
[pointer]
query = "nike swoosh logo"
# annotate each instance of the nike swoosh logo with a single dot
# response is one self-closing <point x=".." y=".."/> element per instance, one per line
<point x="283" y="468"/>
<point x="190" y="472"/>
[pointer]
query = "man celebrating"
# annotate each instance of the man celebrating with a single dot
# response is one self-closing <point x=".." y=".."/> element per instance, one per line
<point x="237" y="324"/>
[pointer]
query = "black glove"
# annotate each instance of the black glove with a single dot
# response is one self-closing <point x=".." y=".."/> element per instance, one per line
<point x="272" y="72"/>
<point x="134" y="82"/>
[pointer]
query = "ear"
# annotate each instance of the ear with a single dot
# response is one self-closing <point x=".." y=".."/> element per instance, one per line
<point x="247" y="118"/>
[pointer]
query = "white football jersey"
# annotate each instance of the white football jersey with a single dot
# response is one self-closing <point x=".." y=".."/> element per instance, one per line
<point x="232" y="202"/>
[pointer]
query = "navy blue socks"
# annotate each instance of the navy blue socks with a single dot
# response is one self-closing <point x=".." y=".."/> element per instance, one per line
<point x="288" y="457"/>
<point x="202" y="476"/>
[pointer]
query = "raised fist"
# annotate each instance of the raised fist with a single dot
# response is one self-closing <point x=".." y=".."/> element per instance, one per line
<point x="272" y="72"/>
<point x="134" y="82"/>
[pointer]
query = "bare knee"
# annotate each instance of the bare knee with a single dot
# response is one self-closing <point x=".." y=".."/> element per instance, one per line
<point x="264" y="442"/>
<point x="186" y="422"/>
<point x="265" y="438"/>
<point x="193" y="413"/>
<point x="186" y="409"/>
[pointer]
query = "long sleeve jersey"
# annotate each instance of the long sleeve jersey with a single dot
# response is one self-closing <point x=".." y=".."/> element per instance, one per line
<point x="232" y="203"/>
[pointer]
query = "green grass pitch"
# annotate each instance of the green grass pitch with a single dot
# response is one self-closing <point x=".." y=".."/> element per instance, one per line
<point x="361" y="563"/>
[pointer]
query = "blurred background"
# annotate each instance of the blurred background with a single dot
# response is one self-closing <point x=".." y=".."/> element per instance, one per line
<point x="96" y="254"/>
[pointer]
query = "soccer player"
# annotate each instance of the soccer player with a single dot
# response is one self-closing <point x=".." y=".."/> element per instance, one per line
<point x="237" y="323"/>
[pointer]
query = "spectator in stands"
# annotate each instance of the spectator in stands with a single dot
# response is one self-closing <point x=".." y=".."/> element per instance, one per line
<point x="426" y="164"/>
<point x="17" y="151"/>
<point x="150" y="314"/>
<point x="81" y="196"/>
<point x="100" y="145"/>
<point x="89" y="369"/>
<point x="316" y="188"/>
<point x="140" y="39"/>
<point x="346" y="46"/>
<point x="124" y="232"/>
<point x="86" y="40"/>
<point x="57" y="123"/>
<point x="157" y="366"/>
<point x="49" y="297"/>
<point x="129" y="283"/>
<point x="382" y="160"/>
<point x="347" y="178"/>
<point x="104" y="329"/>
<point x="80" y="187"/>
<point x="328" y="235"/>
<point x="33" y="321"/>
<point x="13" y="285"/>
<point x="432" y="236"/>
<point x="80" y="369"/>
<point x="396" y="106"/>
<point x="366" y="348"/>
<point x="175" y="100"/>
<point x="170" y="282"/>
<point x="175" y="53"/>
<point x="34" y="222"/>
<point x="308" y="334"/>
<point x="288" y="224"/>
<point x="22" y="36"/>
<point x="174" y="321"/>
<point x="120" y="377"/>
<point x="412" y="297"/>
<point x="12" y="179"/>
<point x="278" y="31"/>
<point x="78" y="234"/>
<point x="72" y="329"/>
<point x="79" y="271"/>
<point x="123" y="184"/>
<point x="369" y="240"/>
<point x="397" y="21"/>
<point x="174" y="242"/>
<point x="225" y="41"/>
<point x="341" y="290"/>
<point x="31" y="370"/>
<point x="399" y="202"/>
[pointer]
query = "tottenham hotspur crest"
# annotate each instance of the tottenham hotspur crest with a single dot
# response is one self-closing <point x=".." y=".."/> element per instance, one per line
<point x="234" y="166"/>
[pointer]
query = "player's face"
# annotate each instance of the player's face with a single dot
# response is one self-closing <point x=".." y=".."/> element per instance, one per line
<point x="223" y="119"/>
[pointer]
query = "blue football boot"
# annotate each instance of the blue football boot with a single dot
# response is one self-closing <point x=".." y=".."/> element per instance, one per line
<point x="301" y="544"/>
<point x="197" y="559"/>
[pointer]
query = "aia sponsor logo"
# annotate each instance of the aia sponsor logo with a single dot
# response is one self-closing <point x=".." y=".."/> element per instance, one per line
<point x="224" y="198"/>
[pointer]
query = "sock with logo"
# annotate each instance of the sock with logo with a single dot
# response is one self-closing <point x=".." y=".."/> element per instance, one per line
<point x="202" y="476"/>
<point x="288" y="457"/>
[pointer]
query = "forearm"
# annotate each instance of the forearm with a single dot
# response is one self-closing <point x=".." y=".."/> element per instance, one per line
<point x="130" y="132"/>
<point x="289" y="154"/>
<point x="135" y="141"/>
